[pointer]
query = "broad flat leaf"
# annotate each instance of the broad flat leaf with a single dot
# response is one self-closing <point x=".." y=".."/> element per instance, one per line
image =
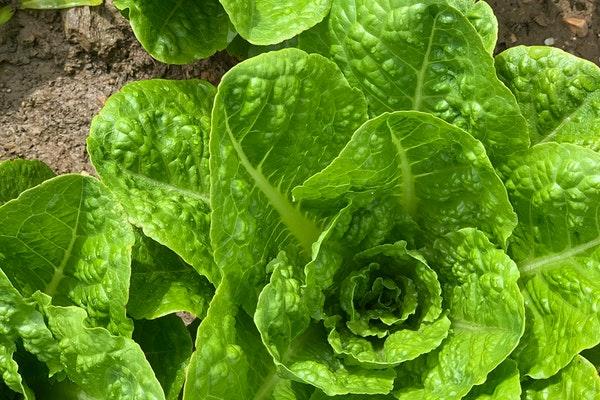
<point x="479" y="285"/>
<point x="105" y="366"/>
<point x="266" y="22"/>
<point x="278" y="118"/>
<point x="501" y="384"/>
<point x="558" y="93"/>
<point x="578" y="381"/>
<point x="167" y="346"/>
<point x="406" y="55"/>
<point x="319" y="395"/>
<point x="19" y="175"/>
<point x="228" y="349"/>
<point x="479" y="13"/>
<point x="438" y="174"/>
<point x="149" y="145"/>
<point x="555" y="190"/>
<point x="56" y="4"/>
<point x="178" y="31"/>
<point x="20" y="320"/>
<point x="70" y="239"/>
<point x="162" y="283"/>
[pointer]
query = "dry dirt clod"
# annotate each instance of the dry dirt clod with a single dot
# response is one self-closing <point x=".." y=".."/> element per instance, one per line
<point x="578" y="26"/>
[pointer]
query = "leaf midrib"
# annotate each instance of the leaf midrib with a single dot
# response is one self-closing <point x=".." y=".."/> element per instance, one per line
<point x="169" y="186"/>
<point x="303" y="229"/>
<point x="59" y="272"/>
<point x="532" y="266"/>
<point x="408" y="198"/>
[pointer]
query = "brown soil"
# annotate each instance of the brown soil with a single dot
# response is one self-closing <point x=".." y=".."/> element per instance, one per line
<point x="56" y="70"/>
<point x="572" y="25"/>
<point x="58" y="67"/>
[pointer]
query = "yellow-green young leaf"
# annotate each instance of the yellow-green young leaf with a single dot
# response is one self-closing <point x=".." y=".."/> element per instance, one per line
<point x="264" y="22"/>
<point x="70" y="239"/>
<point x="479" y="286"/>
<point x="579" y="380"/>
<point x="167" y="346"/>
<point x="149" y="144"/>
<point x="56" y="4"/>
<point x="162" y="283"/>
<point x="502" y="384"/>
<point x="435" y="172"/>
<point x="558" y="93"/>
<point x="19" y="175"/>
<point x="555" y="190"/>
<point x="426" y="56"/>
<point x="178" y="31"/>
<point x="278" y="118"/>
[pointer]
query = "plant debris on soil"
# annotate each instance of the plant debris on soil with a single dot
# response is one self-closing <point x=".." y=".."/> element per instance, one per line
<point x="58" y="67"/>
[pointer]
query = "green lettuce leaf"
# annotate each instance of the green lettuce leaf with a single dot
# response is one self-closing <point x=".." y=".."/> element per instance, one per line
<point x="502" y="384"/>
<point x="408" y="55"/>
<point x="6" y="13"/>
<point x="19" y="175"/>
<point x="103" y="365"/>
<point x="265" y="22"/>
<point x="167" y="346"/>
<point x="178" y="31"/>
<point x="278" y="118"/>
<point x="555" y="190"/>
<point x="162" y="283"/>
<point x="438" y="174"/>
<point x="578" y="380"/>
<point x="228" y="349"/>
<point x="21" y="321"/>
<point x="558" y="93"/>
<point x="149" y="145"/>
<point x="56" y="4"/>
<point x="70" y="239"/>
<point x="479" y="286"/>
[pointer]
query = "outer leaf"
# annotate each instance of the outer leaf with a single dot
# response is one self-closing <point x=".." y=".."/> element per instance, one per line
<point x="479" y="284"/>
<point x="20" y="320"/>
<point x="162" y="283"/>
<point x="412" y="56"/>
<point x="558" y="93"/>
<point x="168" y="346"/>
<point x="228" y="349"/>
<point x="438" y="174"/>
<point x="578" y="380"/>
<point x="268" y="22"/>
<point x="105" y="366"/>
<point x="149" y="145"/>
<point x="70" y="239"/>
<point x="501" y="384"/>
<point x="178" y="31"/>
<point x="319" y="395"/>
<point x="479" y="14"/>
<point x="19" y="175"/>
<point x="56" y="4"/>
<point x="555" y="189"/>
<point x="278" y="118"/>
